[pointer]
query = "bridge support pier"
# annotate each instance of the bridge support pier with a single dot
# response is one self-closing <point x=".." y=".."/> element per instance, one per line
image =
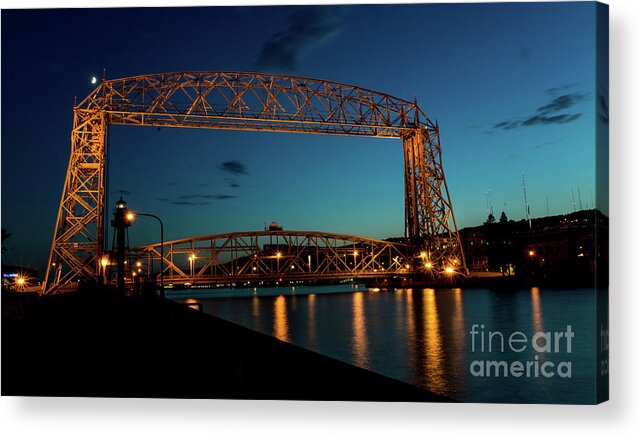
<point x="430" y="221"/>
<point x="80" y="231"/>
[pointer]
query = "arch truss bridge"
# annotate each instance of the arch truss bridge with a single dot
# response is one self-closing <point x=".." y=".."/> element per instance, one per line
<point x="244" y="101"/>
<point x="276" y="256"/>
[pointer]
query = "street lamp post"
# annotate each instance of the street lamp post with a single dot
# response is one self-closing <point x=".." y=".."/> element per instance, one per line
<point x="162" y="243"/>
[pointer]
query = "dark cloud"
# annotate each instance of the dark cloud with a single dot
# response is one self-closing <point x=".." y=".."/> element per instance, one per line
<point x="233" y="167"/>
<point x="548" y="114"/>
<point x="562" y="102"/>
<point x="204" y="196"/>
<point x="196" y="199"/>
<point x="550" y="120"/>
<point x="308" y="27"/>
<point x="541" y="145"/>
<point x="508" y="124"/>
<point x="189" y="203"/>
<point x="122" y="192"/>
<point x="232" y="183"/>
<point x="556" y="91"/>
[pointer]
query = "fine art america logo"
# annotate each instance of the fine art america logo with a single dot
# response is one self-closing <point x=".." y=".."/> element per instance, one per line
<point x="543" y="345"/>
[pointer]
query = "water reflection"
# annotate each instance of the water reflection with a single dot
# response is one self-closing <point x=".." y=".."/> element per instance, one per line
<point x="360" y="336"/>
<point x="256" y="313"/>
<point x="411" y="330"/>
<point x="312" y="321"/>
<point x="536" y="303"/>
<point x="459" y="336"/>
<point x="430" y="346"/>
<point x="434" y="366"/>
<point x="281" y="330"/>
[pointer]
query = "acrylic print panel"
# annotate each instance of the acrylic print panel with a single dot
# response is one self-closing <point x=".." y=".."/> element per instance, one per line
<point x="443" y="235"/>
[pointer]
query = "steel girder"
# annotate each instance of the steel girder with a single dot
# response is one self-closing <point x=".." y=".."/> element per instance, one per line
<point x="430" y="221"/>
<point x="277" y="255"/>
<point x="244" y="101"/>
<point x="79" y="233"/>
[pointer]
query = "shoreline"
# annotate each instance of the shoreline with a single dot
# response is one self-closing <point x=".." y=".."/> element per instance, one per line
<point x="84" y="345"/>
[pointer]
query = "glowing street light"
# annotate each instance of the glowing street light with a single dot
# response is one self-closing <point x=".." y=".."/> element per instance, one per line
<point x="428" y="265"/>
<point x="104" y="262"/>
<point x="450" y="270"/>
<point x="130" y="217"/>
<point x="192" y="257"/>
<point x="424" y="254"/>
<point x="531" y="253"/>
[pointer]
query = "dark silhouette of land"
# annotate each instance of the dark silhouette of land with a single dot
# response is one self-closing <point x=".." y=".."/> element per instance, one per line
<point x="93" y="344"/>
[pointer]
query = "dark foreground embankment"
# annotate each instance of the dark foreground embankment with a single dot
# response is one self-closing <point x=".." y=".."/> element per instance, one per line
<point x="101" y="346"/>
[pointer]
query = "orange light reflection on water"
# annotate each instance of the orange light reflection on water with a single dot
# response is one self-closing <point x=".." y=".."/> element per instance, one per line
<point x="434" y="361"/>
<point x="360" y="337"/>
<point x="312" y="320"/>
<point x="536" y="304"/>
<point x="281" y="329"/>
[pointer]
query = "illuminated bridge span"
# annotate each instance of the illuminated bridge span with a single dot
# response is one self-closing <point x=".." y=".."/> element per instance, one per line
<point x="277" y="256"/>
<point x="244" y="101"/>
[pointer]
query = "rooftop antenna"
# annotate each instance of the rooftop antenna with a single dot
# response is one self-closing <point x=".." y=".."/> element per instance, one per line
<point x="548" y="212"/>
<point x="526" y="207"/>
<point x="489" y="204"/>
<point x="579" y="197"/>
<point x="573" y="198"/>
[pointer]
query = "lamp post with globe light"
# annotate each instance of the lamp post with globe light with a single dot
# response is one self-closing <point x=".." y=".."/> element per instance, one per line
<point x="131" y="216"/>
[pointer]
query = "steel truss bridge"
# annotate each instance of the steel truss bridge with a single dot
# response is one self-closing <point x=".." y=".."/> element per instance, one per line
<point x="276" y="256"/>
<point x="245" y="101"/>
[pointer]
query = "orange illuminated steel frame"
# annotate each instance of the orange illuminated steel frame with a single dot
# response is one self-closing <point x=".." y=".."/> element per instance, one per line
<point x="245" y="101"/>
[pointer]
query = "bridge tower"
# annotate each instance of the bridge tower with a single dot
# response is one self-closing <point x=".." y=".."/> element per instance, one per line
<point x="430" y="221"/>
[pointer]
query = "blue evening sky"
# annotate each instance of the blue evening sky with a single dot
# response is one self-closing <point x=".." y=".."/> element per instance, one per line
<point x="511" y="85"/>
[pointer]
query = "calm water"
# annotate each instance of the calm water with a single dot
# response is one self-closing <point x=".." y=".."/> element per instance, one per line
<point x="422" y="336"/>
